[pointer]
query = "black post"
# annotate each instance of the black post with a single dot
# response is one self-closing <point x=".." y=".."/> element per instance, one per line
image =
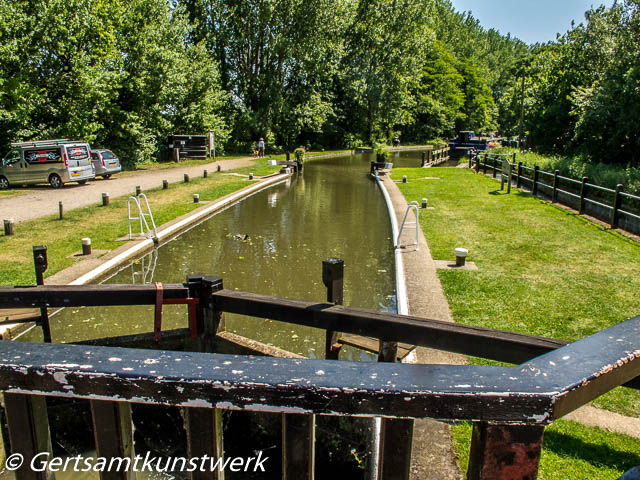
<point x="424" y="159"/>
<point x="298" y="446"/>
<point x="288" y="156"/>
<point x="113" y="434"/>
<point x="519" y="180"/>
<point x="60" y="210"/>
<point x="396" y="436"/>
<point x="28" y="426"/>
<point x="617" y="202"/>
<point x="41" y="263"/>
<point x="583" y="192"/>
<point x="477" y="162"/>
<point x="554" y="195"/>
<point x="333" y="279"/>
<point x="536" y="173"/>
<point x="208" y="320"/>
<point x="494" y="166"/>
<point x="204" y="425"/>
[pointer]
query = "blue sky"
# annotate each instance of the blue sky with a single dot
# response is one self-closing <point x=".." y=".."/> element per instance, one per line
<point x="530" y="20"/>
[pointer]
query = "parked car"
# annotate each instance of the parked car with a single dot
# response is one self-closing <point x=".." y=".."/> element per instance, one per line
<point x="105" y="162"/>
<point x="55" y="162"/>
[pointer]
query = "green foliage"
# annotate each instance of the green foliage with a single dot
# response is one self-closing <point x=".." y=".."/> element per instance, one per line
<point x="582" y="95"/>
<point x="299" y="154"/>
<point x="115" y="73"/>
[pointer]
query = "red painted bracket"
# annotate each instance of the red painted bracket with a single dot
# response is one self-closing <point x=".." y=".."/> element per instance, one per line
<point x="160" y="300"/>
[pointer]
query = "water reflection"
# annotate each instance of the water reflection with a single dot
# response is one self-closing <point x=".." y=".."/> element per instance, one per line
<point x="272" y="243"/>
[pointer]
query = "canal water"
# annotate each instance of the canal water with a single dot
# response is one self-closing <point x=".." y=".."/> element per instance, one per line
<point x="272" y="243"/>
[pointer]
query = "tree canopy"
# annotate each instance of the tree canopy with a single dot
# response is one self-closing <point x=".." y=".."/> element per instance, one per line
<point x="319" y="73"/>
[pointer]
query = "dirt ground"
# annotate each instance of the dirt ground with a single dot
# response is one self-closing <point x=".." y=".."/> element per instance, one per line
<point x="42" y="200"/>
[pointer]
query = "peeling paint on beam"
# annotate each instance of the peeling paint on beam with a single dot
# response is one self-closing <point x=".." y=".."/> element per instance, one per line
<point x="275" y="385"/>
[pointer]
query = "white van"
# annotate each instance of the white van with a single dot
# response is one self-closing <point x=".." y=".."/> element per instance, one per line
<point x="55" y="162"/>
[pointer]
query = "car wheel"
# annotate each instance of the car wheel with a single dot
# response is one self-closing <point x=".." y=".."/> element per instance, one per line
<point x="4" y="183"/>
<point x="106" y="177"/>
<point x="82" y="182"/>
<point x="55" y="181"/>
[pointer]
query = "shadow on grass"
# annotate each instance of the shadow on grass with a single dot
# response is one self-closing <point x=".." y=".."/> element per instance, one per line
<point x="598" y="454"/>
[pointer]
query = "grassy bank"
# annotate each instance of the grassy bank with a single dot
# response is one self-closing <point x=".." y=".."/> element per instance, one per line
<point x="602" y="174"/>
<point x="542" y="270"/>
<point x="571" y="451"/>
<point x="104" y="225"/>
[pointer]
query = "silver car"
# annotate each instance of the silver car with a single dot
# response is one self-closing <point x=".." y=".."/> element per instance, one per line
<point x="55" y="162"/>
<point x="105" y="162"/>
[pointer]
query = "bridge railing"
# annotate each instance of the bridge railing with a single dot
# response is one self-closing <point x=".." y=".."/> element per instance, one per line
<point x="510" y="406"/>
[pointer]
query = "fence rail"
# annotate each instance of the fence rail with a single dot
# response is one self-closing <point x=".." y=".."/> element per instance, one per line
<point x="614" y="206"/>
<point x="511" y="404"/>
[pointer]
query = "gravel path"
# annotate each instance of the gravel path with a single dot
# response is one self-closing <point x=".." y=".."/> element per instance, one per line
<point x="41" y="200"/>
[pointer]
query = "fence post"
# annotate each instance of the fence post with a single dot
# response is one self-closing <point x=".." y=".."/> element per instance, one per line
<point x="494" y="166"/>
<point x="113" y="434"/>
<point x="477" y="162"/>
<point x="519" y="180"/>
<point x="536" y="172"/>
<point x="583" y="191"/>
<point x="504" y="451"/>
<point x="40" y="264"/>
<point x="484" y="164"/>
<point x="424" y="159"/>
<point x="28" y="426"/>
<point x="204" y="425"/>
<point x="333" y="279"/>
<point x="60" y="210"/>
<point x="396" y="436"/>
<point x="617" y="201"/>
<point x="554" y="195"/>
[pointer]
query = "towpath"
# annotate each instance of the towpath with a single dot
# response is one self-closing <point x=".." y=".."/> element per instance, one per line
<point x="40" y="201"/>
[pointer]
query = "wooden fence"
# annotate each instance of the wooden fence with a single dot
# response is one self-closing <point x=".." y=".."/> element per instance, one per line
<point x="510" y="406"/>
<point x="437" y="156"/>
<point x="612" y="206"/>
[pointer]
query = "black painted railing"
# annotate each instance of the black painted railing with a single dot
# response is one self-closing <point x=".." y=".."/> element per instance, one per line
<point x="613" y="206"/>
<point x="510" y="406"/>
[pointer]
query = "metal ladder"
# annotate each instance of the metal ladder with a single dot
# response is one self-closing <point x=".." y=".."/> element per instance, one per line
<point x="410" y="225"/>
<point x="142" y="217"/>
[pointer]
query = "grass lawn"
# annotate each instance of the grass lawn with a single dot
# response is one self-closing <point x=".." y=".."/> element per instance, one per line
<point x="571" y="451"/>
<point x="102" y="224"/>
<point x="542" y="270"/>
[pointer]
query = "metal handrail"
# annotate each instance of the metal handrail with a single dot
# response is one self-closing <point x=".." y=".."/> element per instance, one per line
<point x="412" y="206"/>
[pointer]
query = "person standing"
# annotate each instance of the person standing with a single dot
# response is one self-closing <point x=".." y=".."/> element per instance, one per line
<point x="261" y="147"/>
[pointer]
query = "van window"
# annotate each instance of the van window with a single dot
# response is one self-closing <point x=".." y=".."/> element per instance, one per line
<point x="42" y="155"/>
<point x="12" y="157"/>
<point x="79" y="152"/>
<point x="107" y="155"/>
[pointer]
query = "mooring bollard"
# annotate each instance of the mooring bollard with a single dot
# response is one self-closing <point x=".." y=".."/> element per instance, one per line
<point x="186" y="178"/>
<point x="204" y="174"/>
<point x="165" y="184"/>
<point x="9" y="227"/>
<point x="461" y="256"/>
<point x="105" y="199"/>
<point x="196" y="198"/>
<point x="60" y="210"/>
<point x="86" y="246"/>
<point x="424" y="203"/>
<point x="404" y="179"/>
<point x="251" y="176"/>
<point x="138" y="190"/>
<point x="219" y="168"/>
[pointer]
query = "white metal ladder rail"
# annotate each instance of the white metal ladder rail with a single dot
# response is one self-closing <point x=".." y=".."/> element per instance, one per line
<point x="142" y="217"/>
<point x="409" y="225"/>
